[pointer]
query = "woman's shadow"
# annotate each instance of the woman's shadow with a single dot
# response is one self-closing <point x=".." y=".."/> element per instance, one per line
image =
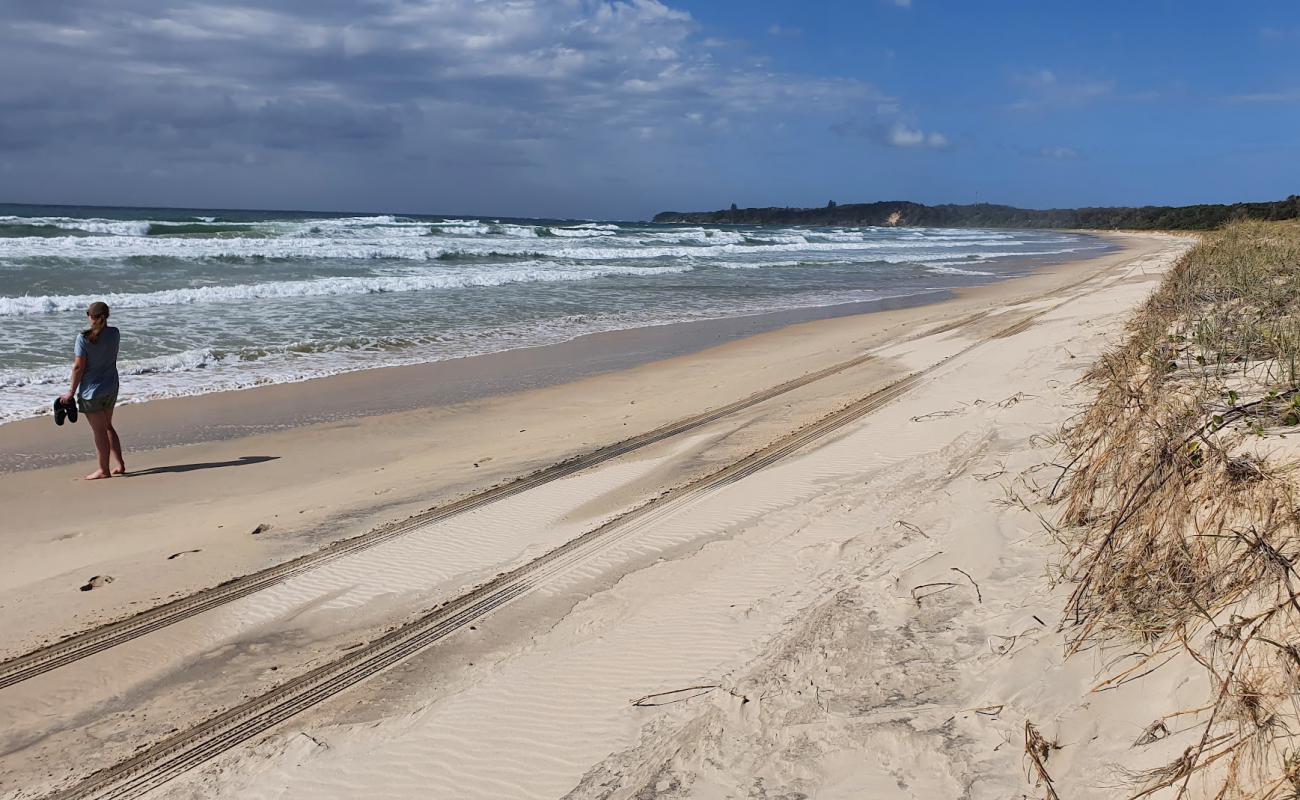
<point x="239" y="462"/>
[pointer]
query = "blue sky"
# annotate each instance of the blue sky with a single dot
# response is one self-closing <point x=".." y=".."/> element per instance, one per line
<point x="618" y="110"/>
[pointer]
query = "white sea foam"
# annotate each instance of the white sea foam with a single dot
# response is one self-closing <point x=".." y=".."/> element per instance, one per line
<point x="326" y="287"/>
<point x="249" y="286"/>
<point x="939" y="269"/>
<point x="582" y="232"/>
<point x="201" y="371"/>
<point x="462" y="227"/>
<point x="690" y="235"/>
<point x="111" y="227"/>
<point x="416" y="248"/>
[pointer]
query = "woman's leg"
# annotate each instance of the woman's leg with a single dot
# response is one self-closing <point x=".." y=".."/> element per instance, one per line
<point x="115" y="444"/>
<point x="99" y="424"/>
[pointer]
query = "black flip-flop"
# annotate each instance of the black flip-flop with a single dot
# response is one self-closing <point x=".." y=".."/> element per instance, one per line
<point x="59" y="411"/>
<point x="72" y="411"/>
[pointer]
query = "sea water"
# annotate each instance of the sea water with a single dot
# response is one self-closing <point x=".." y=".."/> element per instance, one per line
<point x="217" y="300"/>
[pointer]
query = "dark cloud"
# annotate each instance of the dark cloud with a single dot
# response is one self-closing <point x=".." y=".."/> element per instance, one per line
<point x="511" y="97"/>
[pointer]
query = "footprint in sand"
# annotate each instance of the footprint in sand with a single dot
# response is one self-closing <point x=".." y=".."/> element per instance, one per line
<point x="182" y="553"/>
<point x="96" y="582"/>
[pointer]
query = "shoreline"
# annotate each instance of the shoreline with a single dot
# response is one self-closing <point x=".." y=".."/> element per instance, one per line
<point x="815" y="555"/>
<point x="235" y="413"/>
<point x="376" y="391"/>
<point x="327" y="481"/>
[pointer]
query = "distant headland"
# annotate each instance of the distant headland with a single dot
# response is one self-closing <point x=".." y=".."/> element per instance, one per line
<point x="988" y="215"/>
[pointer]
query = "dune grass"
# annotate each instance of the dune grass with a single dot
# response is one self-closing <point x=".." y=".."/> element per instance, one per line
<point x="1181" y="517"/>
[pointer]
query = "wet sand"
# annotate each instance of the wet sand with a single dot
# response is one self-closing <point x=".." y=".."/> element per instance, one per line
<point x="36" y="443"/>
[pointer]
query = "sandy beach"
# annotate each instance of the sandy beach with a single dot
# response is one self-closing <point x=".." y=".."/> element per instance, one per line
<point x="798" y="562"/>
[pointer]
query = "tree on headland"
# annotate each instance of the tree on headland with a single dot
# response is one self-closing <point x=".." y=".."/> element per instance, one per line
<point x="988" y="215"/>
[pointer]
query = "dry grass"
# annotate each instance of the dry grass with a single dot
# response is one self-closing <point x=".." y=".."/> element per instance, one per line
<point x="1181" y="516"/>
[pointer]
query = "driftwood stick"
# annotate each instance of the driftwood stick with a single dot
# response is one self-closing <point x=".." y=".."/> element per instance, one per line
<point x="978" y="595"/>
<point x="909" y="526"/>
<point x="918" y="598"/>
<point x="699" y="690"/>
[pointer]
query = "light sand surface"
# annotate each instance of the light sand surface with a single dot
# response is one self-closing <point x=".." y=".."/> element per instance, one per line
<point x="325" y="481"/>
<point x="789" y="590"/>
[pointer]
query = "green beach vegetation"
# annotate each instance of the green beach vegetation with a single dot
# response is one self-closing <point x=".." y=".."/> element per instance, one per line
<point x="986" y="215"/>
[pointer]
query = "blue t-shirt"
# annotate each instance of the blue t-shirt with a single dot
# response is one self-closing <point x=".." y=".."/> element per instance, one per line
<point x="100" y="377"/>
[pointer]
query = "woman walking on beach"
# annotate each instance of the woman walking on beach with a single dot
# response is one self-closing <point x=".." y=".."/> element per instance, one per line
<point x="94" y="386"/>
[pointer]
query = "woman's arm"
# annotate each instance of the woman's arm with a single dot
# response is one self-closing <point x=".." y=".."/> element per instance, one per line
<point x="78" y="370"/>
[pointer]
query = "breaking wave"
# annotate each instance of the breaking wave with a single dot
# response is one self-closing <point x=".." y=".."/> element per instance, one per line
<point x="323" y="287"/>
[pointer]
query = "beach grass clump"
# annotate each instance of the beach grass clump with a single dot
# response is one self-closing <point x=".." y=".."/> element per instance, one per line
<point x="1181" y="508"/>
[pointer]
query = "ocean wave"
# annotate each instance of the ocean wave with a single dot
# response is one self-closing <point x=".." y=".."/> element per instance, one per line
<point x="82" y="227"/>
<point x="685" y="235"/>
<point x="46" y="376"/>
<point x="13" y="230"/>
<point x="462" y="227"/>
<point x="202" y="371"/>
<point x="208" y="358"/>
<point x="517" y="231"/>
<point x="766" y="264"/>
<point x="326" y="287"/>
<point x="940" y="269"/>
<point x="384" y="224"/>
<point x="582" y="232"/>
<point x="190" y="228"/>
<point x="423" y="249"/>
<point x="989" y="256"/>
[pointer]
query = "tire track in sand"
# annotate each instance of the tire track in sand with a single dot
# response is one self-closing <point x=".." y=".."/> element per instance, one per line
<point x="175" y="755"/>
<point x="98" y="639"/>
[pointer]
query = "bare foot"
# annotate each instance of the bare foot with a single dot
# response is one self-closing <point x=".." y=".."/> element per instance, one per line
<point x="97" y="474"/>
<point x="120" y="469"/>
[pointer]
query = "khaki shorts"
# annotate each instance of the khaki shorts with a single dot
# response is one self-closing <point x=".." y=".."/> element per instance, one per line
<point x="102" y="403"/>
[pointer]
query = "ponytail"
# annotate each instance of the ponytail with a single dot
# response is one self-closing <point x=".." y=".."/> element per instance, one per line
<point x="98" y="313"/>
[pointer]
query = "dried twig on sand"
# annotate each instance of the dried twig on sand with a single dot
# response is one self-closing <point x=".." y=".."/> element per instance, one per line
<point x="1018" y="397"/>
<point x="937" y="415"/>
<point x="943" y="587"/>
<point x="675" y="695"/>
<point x="1037" y="749"/>
<point x="909" y="526"/>
<point x="978" y="595"/>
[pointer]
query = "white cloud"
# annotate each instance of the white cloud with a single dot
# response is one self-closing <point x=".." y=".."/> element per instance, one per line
<point x="1279" y="97"/>
<point x="444" y="91"/>
<point x="1060" y="153"/>
<point x="900" y="135"/>
<point x="552" y="67"/>
<point x="788" y="32"/>
<point x="1045" y="88"/>
<point x="1274" y="34"/>
<point x="1036" y="78"/>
